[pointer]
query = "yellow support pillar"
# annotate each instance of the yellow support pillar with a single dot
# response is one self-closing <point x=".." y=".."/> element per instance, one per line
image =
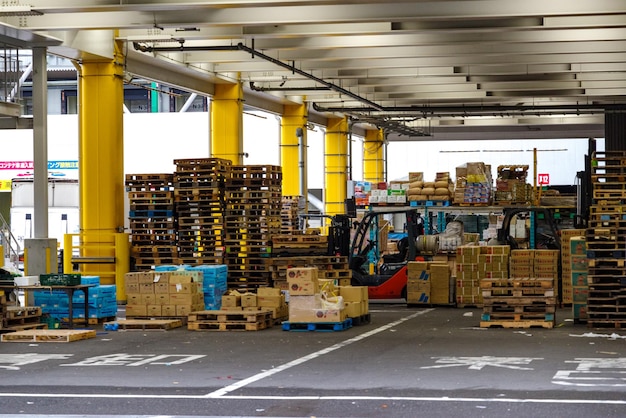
<point x="227" y="123"/>
<point x="293" y="143"/>
<point x="373" y="158"/>
<point x="336" y="166"/>
<point x="101" y="151"/>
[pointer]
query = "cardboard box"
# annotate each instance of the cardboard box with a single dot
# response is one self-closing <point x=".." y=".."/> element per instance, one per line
<point x="133" y="298"/>
<point x="270" y="301"/>
<point x="161" y="288"/>
<point x="146" y="288"/>
<point x="268" y="291"/>
<point x="353" y="309"/>
<point x="418" y="297"/>
<point x="579" y="311"/>
<point x="180" y="279"/>
<point x="154" y="310"/>
<point x="351" y="293"/>
<point x="249" y="300"/>
<point x="161" y="277"/>
<point x="131" y="278"/>
<point x="182" y="287"/>
<point x="132" y="288"/>
<point x="309" y="273"/>
<point x="303" y="286"/>
<point x="148" y="298"/>
<point x="168" y="310"/>
<point x="182" y="299"/>
<point x="184" y="310"/>
<point x="305" y="302"/>
<point x="136" y="310"/>
<point x="231" y="301"/>
<point x="580" y="279"/>
<point x="145" y="278"/>
<point x="162" y="299"/>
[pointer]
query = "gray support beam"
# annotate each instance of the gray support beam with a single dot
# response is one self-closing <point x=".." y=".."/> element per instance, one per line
<point x="40" y="141"/>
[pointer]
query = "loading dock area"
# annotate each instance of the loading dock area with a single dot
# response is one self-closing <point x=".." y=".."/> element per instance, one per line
<point x="406" y="362"/>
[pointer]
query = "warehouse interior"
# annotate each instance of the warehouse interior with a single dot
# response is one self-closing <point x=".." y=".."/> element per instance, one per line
<point x="250" y="293"/>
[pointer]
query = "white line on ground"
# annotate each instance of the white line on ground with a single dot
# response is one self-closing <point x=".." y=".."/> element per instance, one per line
<point x="230" y="388"/>
<point x="323" y="398"/>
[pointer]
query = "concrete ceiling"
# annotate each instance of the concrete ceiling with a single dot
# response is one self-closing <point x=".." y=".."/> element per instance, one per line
<point x="457" y="69"/>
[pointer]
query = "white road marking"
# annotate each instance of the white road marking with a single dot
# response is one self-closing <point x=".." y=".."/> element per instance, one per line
<point x="223" y="391"/>
<point x="324" y="398"/>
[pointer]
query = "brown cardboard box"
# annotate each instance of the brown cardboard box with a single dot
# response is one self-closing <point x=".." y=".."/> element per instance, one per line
<point x="148" y="299"/>
<point x="249" y="300"/>
<point x="351" y="293"/>
<point x="182" y="287"/>
<point x="303" y="286"/>
<point x="231" y="301"/>
<point x="184" y="310"/>
<point x="132" y="288"/>
<point x="268" y="291"/>
<point x="270" y="301"/>
<point x="133" y="298"/>
<point x="168" y="310"/>
<point x="136" y="310"/>
<point x="353" y="309"/>
<point x="162" y="299"/>
<point x="309" y="273"/>
<point x="146" y="288"/>
<point x="180" y="279"/>
<point x="161" y="288"/>
<point x="145" y="278"/>
<point x="154" y="310"/>
<point x="181" y="298"/>
<point x="161" y="277"/>
<point x="131" y="278"/>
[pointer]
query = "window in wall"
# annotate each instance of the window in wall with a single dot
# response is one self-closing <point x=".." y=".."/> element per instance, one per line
<point x="69" y="102"/>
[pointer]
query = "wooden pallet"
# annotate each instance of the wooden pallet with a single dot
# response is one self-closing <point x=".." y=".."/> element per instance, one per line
<point x="48" y="336"/>
<point x="318" y="326"/>
<point x="145" y="324"/>
<point x="517" y="324"/>
<point x="229" y="326"/>
<point x="18" y="312"/>
<point x="225" y="320"/>
<point x="23" y="327"/>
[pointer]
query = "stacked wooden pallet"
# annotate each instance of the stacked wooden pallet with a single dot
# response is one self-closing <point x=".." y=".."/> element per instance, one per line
<point x="329" y="267"/>
<point x="606" y="241"/>
<point x="252" y="217"/>
<point x="225" y="320"/>
<point x="518" y="303"/>
<point x="298" y="243"/>
<point x="152" y="219"/>
<point x="199" y="198"/>
<point x="291" y="207"/>
<point x="17" y="318"/>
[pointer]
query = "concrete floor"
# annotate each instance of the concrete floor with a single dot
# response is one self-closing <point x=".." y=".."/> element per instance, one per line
<point x="407" y="362"/>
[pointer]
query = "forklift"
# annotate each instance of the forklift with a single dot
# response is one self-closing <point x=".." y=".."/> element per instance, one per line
<point x="385" y="275"/>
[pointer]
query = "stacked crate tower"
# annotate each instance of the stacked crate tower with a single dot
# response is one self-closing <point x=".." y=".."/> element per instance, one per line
<point x="606" y="241"/>
<point x="291" y="207"/>
<point x="199" y="198"/>
<point x="252" y="217"/>
<point x="152" y="219"/>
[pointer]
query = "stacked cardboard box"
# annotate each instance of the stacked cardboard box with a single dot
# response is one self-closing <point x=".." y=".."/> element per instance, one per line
<point x="439" y="190"/>
<point x="493" y="262"/>
<point x="579" y="277"/>
<point x="511" y="186"/>
<point x="467" y="283"/>
<point x="163" y="294"/>
<point x="418" y="282"/>
<point x="473" y="184"/>
<point x="265" y="298"/>
<point x="539" y="264"/>
<point x="428" y="282"/>
<point x="356" y="301"/>
<point x="307" y="302"/>
<point x="566" y="262"/>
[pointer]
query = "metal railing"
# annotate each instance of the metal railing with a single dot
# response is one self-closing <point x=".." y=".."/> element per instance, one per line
<point x="9" y="243"/>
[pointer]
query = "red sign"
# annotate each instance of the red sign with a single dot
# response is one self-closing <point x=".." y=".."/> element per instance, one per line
<point x="543" y="179"/>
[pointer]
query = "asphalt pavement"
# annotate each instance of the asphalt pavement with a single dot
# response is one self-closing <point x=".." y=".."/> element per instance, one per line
<point x="407" y="362"/>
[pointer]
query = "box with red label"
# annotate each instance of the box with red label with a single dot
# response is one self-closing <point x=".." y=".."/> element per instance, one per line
<point x="309" y="273"/>
<point x="301" y="286"/>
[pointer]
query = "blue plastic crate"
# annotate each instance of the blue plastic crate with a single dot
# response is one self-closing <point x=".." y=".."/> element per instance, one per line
<point x="90" y="280"/>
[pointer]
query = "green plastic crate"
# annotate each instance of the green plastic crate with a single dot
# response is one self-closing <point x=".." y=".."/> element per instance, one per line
<point x="59" y="279"/>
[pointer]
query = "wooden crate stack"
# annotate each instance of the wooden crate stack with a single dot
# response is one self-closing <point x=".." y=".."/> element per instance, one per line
<point x="528" y="297"/>
<point x="291" y="207"/>
<point x="253" y="216"/>
<point x="511" y="186"/>
<point x="152" y="219"/>
<point x="606" y="241"/>
<point x="199" y="198"/>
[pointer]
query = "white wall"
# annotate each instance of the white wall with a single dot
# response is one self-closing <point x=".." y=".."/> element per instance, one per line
<point x="152" y="141"/>
<point x="561" y="158"/>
